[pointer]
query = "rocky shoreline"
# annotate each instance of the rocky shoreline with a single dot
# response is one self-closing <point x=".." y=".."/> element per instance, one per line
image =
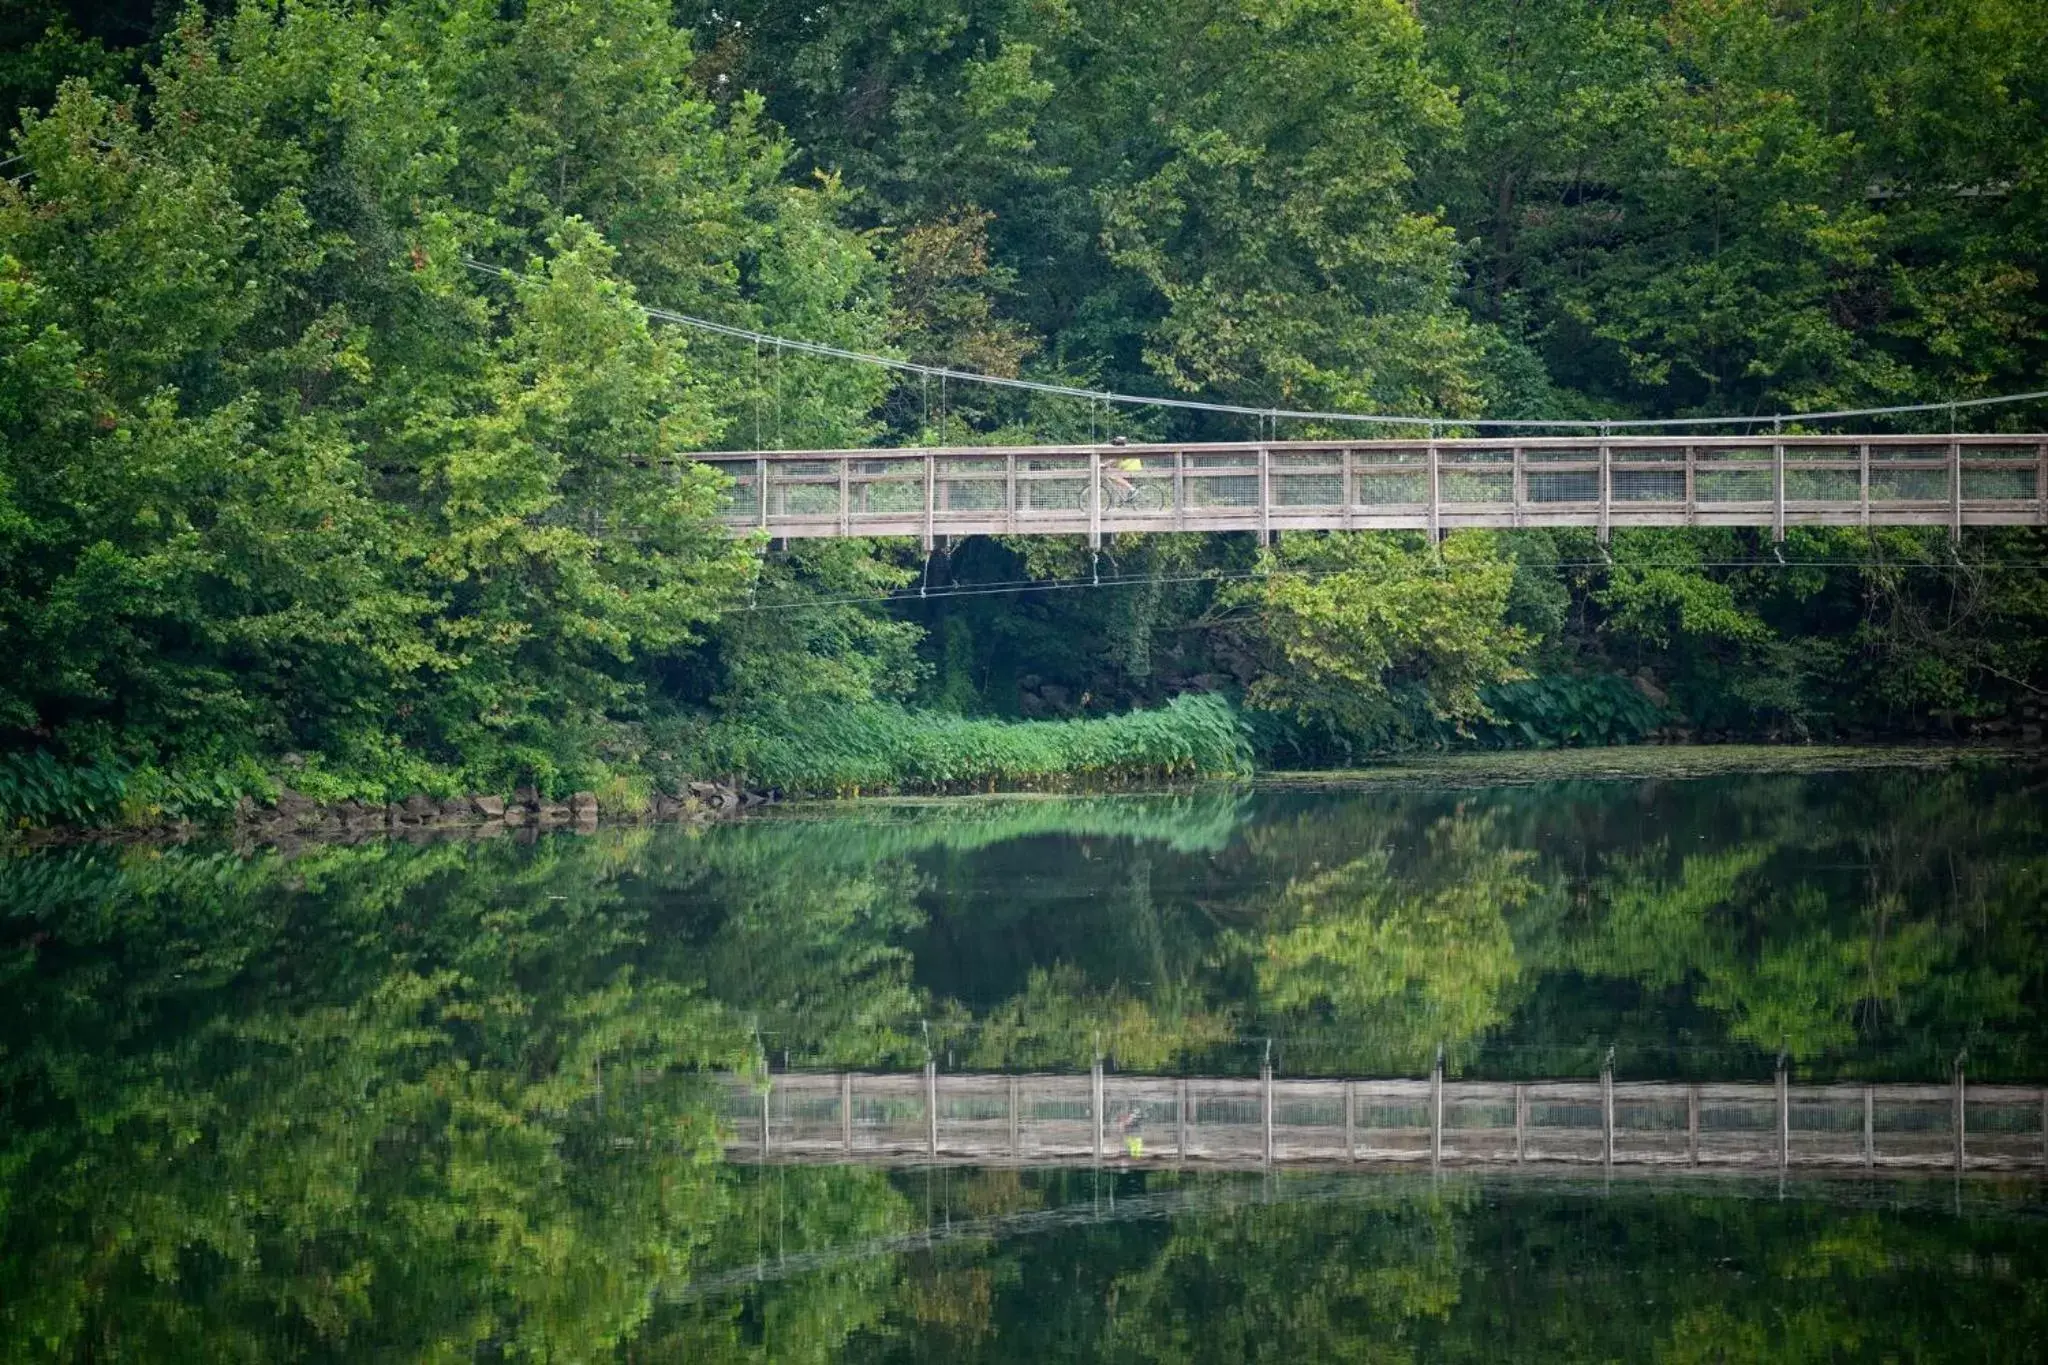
<point x="298" y="816"/>
<point x="294" y="818"/>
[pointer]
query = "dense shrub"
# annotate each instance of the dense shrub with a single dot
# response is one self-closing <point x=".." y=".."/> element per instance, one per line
<point x="1563" y="710"/>
<point x="845" y="748"/>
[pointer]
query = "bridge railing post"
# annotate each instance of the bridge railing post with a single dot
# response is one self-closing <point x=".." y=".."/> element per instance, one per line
<point x="1607" y="1109"/>
<point x="1777" y="490"/>
<point x="1955" y="488"/>
<point x="1863" y="482"/>
<point x="845" y="495"/>
<point x="1095" y="1105"/>
<point x="1960" y="1100"/>
<point x="1784" y="1116"/>
<point x="1265" y="495"/>
<point x="931" y="497"/>
<point x="1436" y="1110"/>
<point x="1436" y="493"/>
<point x="1869" y="1126"/>
<point x="1606" y="488"/>
<point x="1266" y="1107"/>
<point x="1094" y="499"/>
<point x="2041" y="483"/>
<point x="1692" y="1125"/>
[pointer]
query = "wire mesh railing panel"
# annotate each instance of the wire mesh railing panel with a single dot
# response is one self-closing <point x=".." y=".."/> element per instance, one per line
<point x="1466" y="487"/>
<point x="789" y="498"/>
<point x="2008" y="1130"/>
<point x="1652" y="1124"/>
<point x="1577" y="486"/>
<point x="1721" y="483"/>
<point x="740" y="1110"/>
<point x="1308" y="1122"/>
<point x="1738" y="1125"/>
<point x="1916" y="1128"/>
<point x="1908" y="485"/>
<point x="1392" y="1125"/>
<point x="1648" y="485"/>
<point x="1564" y="1124"/>
<point x="1479" y="1123"/>
<point x="1322" y="459"/>
<point x="1055" y="1117"/>
<point x="740" y="500"/>
<point x="975" y="496"/>
<point x="1999" y="485"/>
<point x="889" y="1114"/>
<point x="973" y="1114"/>
<point x="1308" y="490"/>
<point x="1226" y="1120"/>
<point x="1822" y="485"/>
<point x="1229" y="491"/>
<point x="1824" y="1128"/>
<point x="1391" y="490"/>
<point x="806" y="1116"/>
<point x="1051" y="496"/>
<point x="885" y="492"/>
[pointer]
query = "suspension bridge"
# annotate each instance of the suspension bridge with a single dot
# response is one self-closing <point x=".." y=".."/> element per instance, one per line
<point x="1241" y="1122"/>
<point x="1775" y="481"/>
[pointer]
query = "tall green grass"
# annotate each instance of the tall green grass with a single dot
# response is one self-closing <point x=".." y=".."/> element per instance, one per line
<point x="39" y="790"/>
<point x="830" y="750"/>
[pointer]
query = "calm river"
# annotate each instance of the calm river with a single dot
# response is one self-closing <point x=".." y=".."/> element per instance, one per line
<point x="453" y="1100"/>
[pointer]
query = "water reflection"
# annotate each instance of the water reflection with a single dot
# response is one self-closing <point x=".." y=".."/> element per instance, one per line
<point x="998" y="1266"/>
<point x="446" y="1100"/>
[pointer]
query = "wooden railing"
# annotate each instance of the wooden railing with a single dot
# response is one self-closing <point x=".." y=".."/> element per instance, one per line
<point x="1098" y="490"/>
<point x="1107" y="1117"/>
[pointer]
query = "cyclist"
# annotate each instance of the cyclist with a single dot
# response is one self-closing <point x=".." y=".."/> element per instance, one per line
<point x="1116" y="473"/>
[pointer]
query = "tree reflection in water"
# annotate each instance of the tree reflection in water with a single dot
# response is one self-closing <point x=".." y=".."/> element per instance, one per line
<point x="446" y="1101"/>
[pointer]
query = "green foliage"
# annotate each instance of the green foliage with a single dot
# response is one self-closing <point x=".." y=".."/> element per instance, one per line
<point x="280" y="475"/>
<point x="35" y="789"/>
<point x="1342" y="622"/>
<point x="288" y="491"/>
<point x="1560" y="710"/>
<point x="827" y="748"/>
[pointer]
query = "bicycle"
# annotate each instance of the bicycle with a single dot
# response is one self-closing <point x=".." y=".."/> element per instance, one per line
<point x="1122" y="495"/>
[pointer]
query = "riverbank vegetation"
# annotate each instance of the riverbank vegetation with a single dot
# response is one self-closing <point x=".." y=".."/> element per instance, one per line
<point x="336" y="451"/>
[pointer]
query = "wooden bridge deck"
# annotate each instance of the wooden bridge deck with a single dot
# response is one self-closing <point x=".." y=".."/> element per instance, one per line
<point x="1098" y="490"/>
<point x="1065" y="1120"/>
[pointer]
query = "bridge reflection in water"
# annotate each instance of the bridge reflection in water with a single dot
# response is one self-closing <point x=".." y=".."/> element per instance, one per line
<point x="1065" y="1120"/>
<point x="1438" y="486"/>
